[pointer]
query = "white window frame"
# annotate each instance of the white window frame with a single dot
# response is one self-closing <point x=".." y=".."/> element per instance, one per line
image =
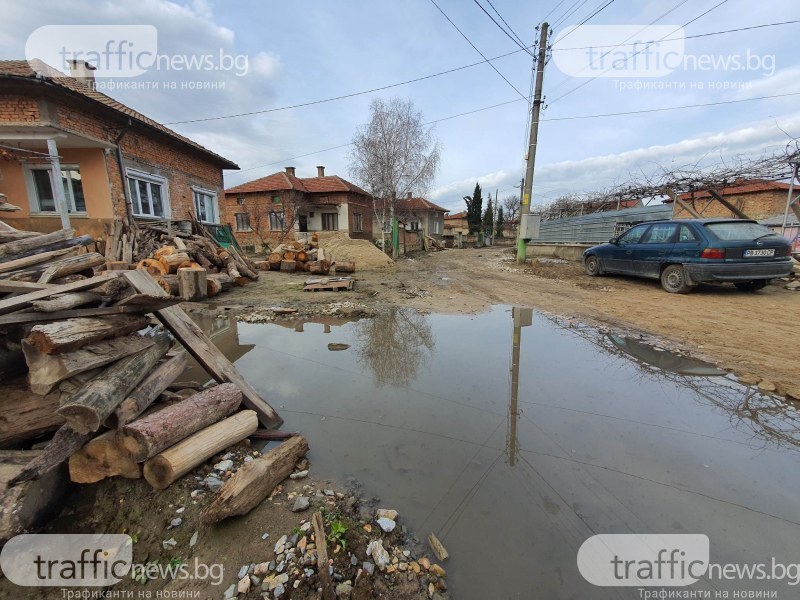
<point x="153" y="180"/>
<point x="33" y="197"/>
<point x="236" y="221"/>
<point x="214" y="204"/>
<point x="435" y="226"/>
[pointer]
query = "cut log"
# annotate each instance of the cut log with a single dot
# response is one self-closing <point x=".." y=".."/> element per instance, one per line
<point x="262" y="265"/>
<point x="203" y="350"/>
<point x="290" y="255"/>
<point x="64" y="444"/>
<point x="62" y="267"/>
<point x="171" y="262"/>
<point x="95" y="401"/>
<point x="24" y="416"/>
<point x="22" y="318"/>
<point x="322" y="556"/>
<point x="147" y="391"/>
<point x="77" y="242"/>
<point x="274" y="260"/>
<point x="102" y="457"/>
<point x="27" y="506"/>
<point x="344" y="267"/>
<point x="163" y="469"/>
<point x="152" y="433"/>
<point x="71" y="334"/>
<point x="8" y="305"/>
<point x="152" y="266"/>
<point x="45" y="371"/>
<point x="221" y="280"/>
<point x="255" y="481"/>
<point x="319" y="267"/>
<point x="288" y="266"/>
<point x="23" y="263"/>
<point x="301" y="256"/>
<point x="169" y="283"/>
<point x="31" y="243"/>
<point x="192" y="284"/>
<point x="67" y="301"/>
<point x="273" y="435"/>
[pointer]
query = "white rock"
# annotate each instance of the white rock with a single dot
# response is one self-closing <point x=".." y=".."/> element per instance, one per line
<point x="378" y="553"/>
<point x="170" y="543"/>
<point x="193" y="539"/>
<point x="244" y="585"/>
<point x="387" y="524"/>
<point x="299" y="475"/>
<point x="386" y="513"/>
<point x="224" y="465"/>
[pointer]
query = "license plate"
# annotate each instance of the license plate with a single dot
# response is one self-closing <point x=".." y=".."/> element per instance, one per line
<point x="760" y="252"/>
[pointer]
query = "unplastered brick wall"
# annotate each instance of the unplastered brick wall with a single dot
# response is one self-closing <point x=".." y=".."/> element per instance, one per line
<point x="756" y="205"/>
<point x="258" y="205"/>
<point x="18" y="109"/>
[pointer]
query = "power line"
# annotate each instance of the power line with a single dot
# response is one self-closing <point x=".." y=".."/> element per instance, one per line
<point x="596" y="12"/>
<point x="575" y="7"/>
<point x="506" y="22"/>
<point x="469" y="41"/>
<point x="514" y="38"/>
<point x="552" y="10"/>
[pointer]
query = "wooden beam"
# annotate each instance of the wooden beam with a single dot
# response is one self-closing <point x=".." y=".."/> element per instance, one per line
<point x="687" y="207"/>
<point x="29" y="261"/>
<point x="202" y="349"/>
<point x="83" y="240"/>
<point x="21" y="318"/>
<point x="11" y="248"/>
<point x="8" y="305"/>
<point x="15" y="287"/>
<point x="727" y="204"/>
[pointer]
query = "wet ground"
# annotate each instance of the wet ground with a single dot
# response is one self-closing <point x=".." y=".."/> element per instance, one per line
<point x="604" y="434"/>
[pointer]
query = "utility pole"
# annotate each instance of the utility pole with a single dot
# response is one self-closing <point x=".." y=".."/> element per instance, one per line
<point x="525" y="201"/>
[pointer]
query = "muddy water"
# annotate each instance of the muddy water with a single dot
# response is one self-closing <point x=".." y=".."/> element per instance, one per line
<point x="514" y="468"/>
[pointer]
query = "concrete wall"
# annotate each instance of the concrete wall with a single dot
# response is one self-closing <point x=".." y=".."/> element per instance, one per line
<point x="563" y="251"/>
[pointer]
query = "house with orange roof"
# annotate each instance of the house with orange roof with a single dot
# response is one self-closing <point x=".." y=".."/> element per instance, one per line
<point x="71" y="156"/>
<point x="283" y="206"/>
<point x="760" y="199"/>
<point x="415" y="214"/>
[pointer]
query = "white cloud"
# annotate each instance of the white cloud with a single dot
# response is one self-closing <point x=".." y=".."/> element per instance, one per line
<point x="266" y="64"/>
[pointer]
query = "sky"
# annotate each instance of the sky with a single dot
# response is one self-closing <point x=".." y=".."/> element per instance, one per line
<point x="303" y="52"/>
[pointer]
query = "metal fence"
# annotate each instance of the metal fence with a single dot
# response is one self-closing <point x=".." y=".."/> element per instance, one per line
<point x="599" y="227"/>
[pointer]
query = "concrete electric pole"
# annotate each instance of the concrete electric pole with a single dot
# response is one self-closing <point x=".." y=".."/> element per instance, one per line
<point x="525" y="201"/>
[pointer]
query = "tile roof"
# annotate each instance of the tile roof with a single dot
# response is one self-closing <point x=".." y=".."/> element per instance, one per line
<point x="748" y="187"/>
<point x="46" y="73"/>
<point x="456" y="216"/>
<point x="283" y="181"/>
<point x="421" y="204"/>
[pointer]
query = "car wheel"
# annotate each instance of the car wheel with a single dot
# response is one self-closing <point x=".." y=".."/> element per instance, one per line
<point x="592" y="266"/>
<point x="673" y="280"/>
<point x="751" y="286"/>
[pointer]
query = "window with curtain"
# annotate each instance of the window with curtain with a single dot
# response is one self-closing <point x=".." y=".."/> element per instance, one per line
<point x="42" y="196"/>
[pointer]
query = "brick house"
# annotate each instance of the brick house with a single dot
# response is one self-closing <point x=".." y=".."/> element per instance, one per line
<point x="114" y="162"/>
<point x="756" y="199"/>
<point x="416" y="214"/>
<point x="456" y="223"/>
<point x="284" y="206"/>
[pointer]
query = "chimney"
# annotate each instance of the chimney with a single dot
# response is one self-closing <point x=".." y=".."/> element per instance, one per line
<point x="83" y="72"/>
<point x="409" y="195"/>
<point x="290" y="171"/>
<point x="320" y="171"/>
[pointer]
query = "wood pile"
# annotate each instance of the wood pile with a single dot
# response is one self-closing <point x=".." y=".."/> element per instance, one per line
<point x="303" y="256"/>
<point x="90" y="362"/>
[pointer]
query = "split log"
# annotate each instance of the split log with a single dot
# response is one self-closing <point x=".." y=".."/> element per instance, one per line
<point x="152" y="266"/>
<point x="64" y="444"/>
<point x="179" y="243"/>
<point x="71" y="334"/>
<point x="8" y="305"/>
<point x="255" y="481"/>
<point x="322" y="556"/>
<point x="91" y="406"/>
<point x="171" y="262"/>
<point x="218" y="282"/>
<point x="163" y="251"/>
<point x="67" y="301"/>
<point x="163" y="469"/>
<point x="83" y="263"/>
<point x="116" y="288"/>
<point x="189" y="264"/>
<point x="21" y="287"/>
<point x="147" y="391"/>
<point x="25" y="507"/>
<point x="102" y="457"/>
<point x="45" y="371"/>
<point x="32" y="243"/>
<point x="117" y="265"/>
<point x="29" y="261"/>
<point x="169" y="283"/>
<point x="344" y="267"/>
<point x="24" y="416"/>
<point x="22" y="318"/>
<point x="152" y="433"/>
<point x="146" y="302"/>
<point x="288" y="266"/>
<point x="192" y="284"/>
<point x="196" y="342"/>
<point x="76" y="242"/>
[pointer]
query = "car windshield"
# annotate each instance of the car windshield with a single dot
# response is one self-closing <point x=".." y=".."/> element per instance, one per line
<point x="744" y="231"/>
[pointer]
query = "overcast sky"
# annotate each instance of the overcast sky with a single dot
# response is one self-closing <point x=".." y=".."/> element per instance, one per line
<point x="312" y="50"/>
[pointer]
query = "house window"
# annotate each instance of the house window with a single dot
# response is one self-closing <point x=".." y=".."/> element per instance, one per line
<point x="276" y="221"/>
<point x="240" y="201"/>
<point x="413" y="226"/>
<point x="330" y="222"/>
<point x="436" y="226"/>
<point x="243" y="222"/>
<point x="276" y="199"/>
<point x="357" y="222"/>
<point x="387" y="226"/>
<point x="42" y="196"/>
<point x="148" y="194"/>
<point x="205" y="205"/>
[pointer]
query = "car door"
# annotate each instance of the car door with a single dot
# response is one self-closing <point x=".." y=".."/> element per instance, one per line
<point x="688" y="245"/>
<point x="618" y="255"/>
<point x="653" y="249"/>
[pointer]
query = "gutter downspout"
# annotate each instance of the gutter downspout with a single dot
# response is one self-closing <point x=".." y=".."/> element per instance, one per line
<point x="125" y="191"/>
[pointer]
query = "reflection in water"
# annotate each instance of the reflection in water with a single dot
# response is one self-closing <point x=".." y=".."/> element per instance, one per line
<point x="393" y="344"/>
<point x="224" y="332"/>
<point x="522" y="317"/>
<point x="771" y="419"/>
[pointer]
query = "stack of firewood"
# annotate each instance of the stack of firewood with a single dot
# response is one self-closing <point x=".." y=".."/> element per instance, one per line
<point x="93" y="362"/>
<point x="302" y="255"/>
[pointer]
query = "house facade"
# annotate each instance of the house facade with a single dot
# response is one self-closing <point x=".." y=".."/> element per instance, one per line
<point x="415" y="215"/>
<point x="757" y="199"/>
<point x="113" y="161"/>
<point x="283" y="206"/>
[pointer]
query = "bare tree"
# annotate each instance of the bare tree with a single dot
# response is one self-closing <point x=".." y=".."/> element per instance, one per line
<point x="511" y="210"/>
<point x="393" y="154"/>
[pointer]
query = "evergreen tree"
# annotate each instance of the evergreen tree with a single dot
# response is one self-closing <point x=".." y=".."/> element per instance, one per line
<point x="488" y="219"/>
<point x="474" y="209"/>
<point x="500" y="223"/>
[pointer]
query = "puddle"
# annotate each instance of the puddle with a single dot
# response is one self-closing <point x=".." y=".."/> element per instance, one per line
<point x="513" y="468"/>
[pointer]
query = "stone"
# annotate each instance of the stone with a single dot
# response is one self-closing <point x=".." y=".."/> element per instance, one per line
<point x="386" y="513"/>
<point x="243" y="571"/>
<point x="264" y="536"/>
<point x="169" y="544"/>
<point x="280" y="545"/>
<point x="438" y="570"/>
<point x="261" y="569"/>
<point x="330" y="493"/>
<point x="300" y="504"/>
<point x="424" y="563"/>
<point x="193" y="539"/>
<point x="282" y="578"/>
<point x="414" y="566"/>
<point x="224" y="465"/>
<point x="248" y="459"/>
<point x="299" y="475"/>
<point x="368" y="567"/>
<point x="175" y="523"/>
<point x="244" y="585"/>
<point x="308" y="572"/>
<point x="301" y="544"/>
<point x="213" y="483"/>
<point x="281" y="566"/>
<point x="401" y="566"/>
<point x="378" y="553"/>
<point x="180" y="510"/>
<point x="305" y="526"/>
<point x="766" y="386"/>
<point x="343" y="590"/>
<point x="386" y="524"/>
<point x="748" y="378"/>
<point x="353" y="560"/>
<point x="255" y="581"/>
<point x="279" y="590"/>
<point x="231" y="591"/>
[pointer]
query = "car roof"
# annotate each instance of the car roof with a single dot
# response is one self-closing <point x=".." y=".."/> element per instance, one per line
<point x="700" y="221"/>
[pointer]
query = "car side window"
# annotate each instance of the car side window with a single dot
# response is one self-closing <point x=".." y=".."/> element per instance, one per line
<point x="660" y="233"/>
<point x="687" y="235"/>
<point x="633" y="235"/>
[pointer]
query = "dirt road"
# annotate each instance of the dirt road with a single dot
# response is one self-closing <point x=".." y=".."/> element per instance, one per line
<point x="756" y="335"/>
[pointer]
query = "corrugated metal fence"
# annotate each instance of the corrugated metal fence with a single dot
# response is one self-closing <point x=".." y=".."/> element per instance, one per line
<point x="599" y="227"/>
